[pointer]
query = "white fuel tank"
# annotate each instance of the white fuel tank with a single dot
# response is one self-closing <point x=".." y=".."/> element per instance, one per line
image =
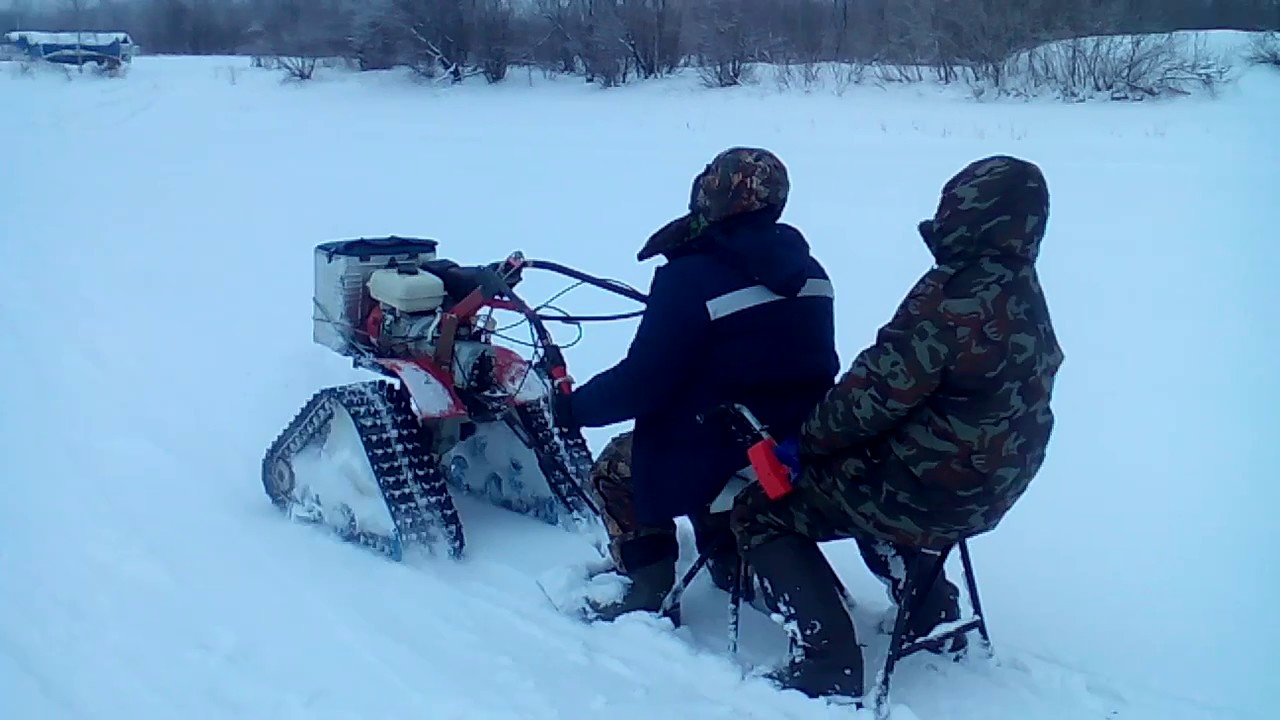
<point x="409" y="290"/>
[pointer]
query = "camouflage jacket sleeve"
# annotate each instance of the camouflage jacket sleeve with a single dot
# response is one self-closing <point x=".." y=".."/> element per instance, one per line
<point x="887" y="380"/>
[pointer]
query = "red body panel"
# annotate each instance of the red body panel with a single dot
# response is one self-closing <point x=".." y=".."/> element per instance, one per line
<point x="431" y="389"/>
<point x="516" y="376"/>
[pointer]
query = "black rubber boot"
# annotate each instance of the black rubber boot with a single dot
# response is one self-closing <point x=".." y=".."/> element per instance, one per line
<point x="713" y="538"/>
<point x="649" y="586"/>
<point x="650" y="567"/>
<point x="940" y="606"/>
<point x="826" y="659"/>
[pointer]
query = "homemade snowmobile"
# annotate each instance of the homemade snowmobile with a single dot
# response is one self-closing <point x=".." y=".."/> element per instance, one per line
<point x="378" y="462"/>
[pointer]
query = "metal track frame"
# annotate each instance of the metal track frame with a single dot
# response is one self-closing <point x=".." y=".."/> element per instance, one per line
<point x="398" y="450"/>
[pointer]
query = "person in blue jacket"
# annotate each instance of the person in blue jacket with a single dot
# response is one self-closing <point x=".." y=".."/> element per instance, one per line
<point x="740" y="313"/>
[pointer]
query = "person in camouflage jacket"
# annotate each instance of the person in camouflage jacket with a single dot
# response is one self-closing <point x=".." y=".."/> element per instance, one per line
<point x="935" y="430"/>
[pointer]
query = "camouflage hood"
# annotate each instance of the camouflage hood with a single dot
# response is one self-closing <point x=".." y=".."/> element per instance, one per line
<point x="739" y="181"/>
<point x="994" y="207"/>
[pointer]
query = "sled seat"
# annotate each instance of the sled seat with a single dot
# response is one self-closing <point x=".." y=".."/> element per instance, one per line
<point x="925" y="574"/>
<point x="724" y="501"/>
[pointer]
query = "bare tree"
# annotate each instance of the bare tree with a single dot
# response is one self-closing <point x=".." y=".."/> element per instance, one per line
<point x="980" y="35"/>
<point x="725" y="41"/>
<point x="296" y="34"/>
<point x="435" y="36"/>
<point x="610" y="42"/>
<point x="1121" y="67"/>
<point x="651" y="33"/>
<point x="377" y="36"/>
<point x="1265" y="49"/>
<point x="493" y="36"/>
<point x="557" y="45"/>
<point x="605" y="53"/>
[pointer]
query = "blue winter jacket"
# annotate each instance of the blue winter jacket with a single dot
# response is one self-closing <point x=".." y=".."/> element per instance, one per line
<point x="745" y="315"/>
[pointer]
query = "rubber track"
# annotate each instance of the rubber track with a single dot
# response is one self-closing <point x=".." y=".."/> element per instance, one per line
<point x="562" y="457"/>
<point x="396" y="446"/>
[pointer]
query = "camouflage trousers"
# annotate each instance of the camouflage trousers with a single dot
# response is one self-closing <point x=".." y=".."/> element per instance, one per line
<point x="632" y="544"/>
<point x="839" y="502"/>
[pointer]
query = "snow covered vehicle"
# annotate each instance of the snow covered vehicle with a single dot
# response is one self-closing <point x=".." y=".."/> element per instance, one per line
<point x="105" y="49"/>
<point x="379" y="461"/>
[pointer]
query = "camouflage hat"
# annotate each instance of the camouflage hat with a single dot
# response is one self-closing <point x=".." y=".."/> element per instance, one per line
<point x="737" y="181"/>
<point x="998" y="205"/>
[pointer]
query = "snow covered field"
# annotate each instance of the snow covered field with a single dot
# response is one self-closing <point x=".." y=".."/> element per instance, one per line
<point x="157" y="233"/>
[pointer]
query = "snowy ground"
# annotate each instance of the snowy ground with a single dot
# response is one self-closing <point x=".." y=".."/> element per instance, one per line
<point x="157" y="234"/>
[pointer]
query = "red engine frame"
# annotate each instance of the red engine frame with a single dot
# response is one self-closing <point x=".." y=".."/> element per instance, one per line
<point x="427" y="379"/>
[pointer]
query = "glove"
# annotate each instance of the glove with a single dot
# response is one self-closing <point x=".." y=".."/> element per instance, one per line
<point x="788" y="453"/>
<point x="562" y="411"/>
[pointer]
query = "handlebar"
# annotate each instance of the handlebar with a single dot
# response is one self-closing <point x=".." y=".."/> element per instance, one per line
<point x="609" y="285"/>
<point x="496" y="277"/>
